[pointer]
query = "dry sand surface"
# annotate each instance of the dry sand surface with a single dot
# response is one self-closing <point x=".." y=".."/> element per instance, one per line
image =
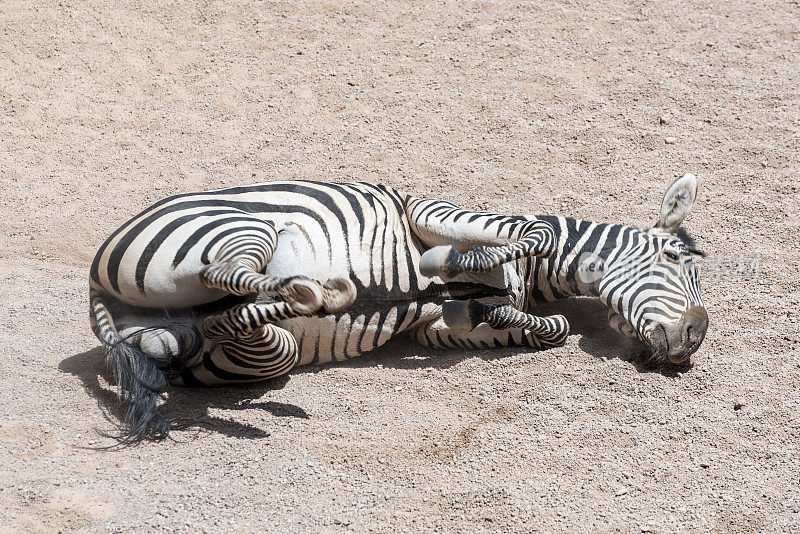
<point x="549" y="107"/>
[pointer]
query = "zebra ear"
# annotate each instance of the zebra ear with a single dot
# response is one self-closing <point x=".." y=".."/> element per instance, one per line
<point x="677" y="202"/>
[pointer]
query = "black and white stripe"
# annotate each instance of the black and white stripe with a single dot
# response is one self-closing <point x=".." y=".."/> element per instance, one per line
<point x="291" y="273"/>
<point x="637" y="280"/>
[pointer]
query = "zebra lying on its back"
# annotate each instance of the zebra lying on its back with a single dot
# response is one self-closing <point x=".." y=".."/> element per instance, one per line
<point x="289" y="273"/>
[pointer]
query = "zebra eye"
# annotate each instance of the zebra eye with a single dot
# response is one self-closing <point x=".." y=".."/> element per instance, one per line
<point x="671" y="255"/>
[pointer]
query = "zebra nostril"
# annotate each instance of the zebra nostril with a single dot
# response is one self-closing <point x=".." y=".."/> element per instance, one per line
<point x="695" y="324"/>
<point x="694" y="332"/>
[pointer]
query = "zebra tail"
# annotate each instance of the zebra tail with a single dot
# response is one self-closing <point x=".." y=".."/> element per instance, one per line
<point x="140" y="380"/>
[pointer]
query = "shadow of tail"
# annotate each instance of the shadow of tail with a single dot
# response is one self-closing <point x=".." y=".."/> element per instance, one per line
<point x="186" y="408"/>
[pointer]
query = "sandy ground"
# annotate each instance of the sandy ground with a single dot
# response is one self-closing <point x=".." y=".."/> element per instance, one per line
<point x="548" y="107"/>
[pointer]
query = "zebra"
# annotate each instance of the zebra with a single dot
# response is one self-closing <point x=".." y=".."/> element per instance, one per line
<point x="262" y="278"/>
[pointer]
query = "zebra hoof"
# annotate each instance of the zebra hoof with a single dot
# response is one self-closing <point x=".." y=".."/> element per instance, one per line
<point x="338" y="294"/>
<point x="303" y="295"/>
<point x="552" y="331"/>
<point x="434" y="261"/>
<point x="462" y="314"/>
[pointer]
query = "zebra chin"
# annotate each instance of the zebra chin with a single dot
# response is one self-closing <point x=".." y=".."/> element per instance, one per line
<point x="675" y="342"/>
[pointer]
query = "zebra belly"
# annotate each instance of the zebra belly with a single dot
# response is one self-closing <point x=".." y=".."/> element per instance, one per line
<point x="343" y="336"/>
<point x="371" y="320"/>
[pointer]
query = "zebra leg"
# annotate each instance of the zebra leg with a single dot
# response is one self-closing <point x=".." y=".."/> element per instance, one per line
<point x="466" y="315"/>
<point x="246" y="318"/>
<point x="237" y="268"/>
<point x="246" y="346"/>
<point x="263" y="353"/>
<point x="470" y="241"/>
<point x="439" y="335"/>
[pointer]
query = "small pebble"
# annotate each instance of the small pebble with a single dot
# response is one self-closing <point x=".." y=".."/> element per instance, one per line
<point x="670" y="140"/>
<point x="738" y="404"/>
<point x="763" y="163"/>
<point x="664" y="119"/>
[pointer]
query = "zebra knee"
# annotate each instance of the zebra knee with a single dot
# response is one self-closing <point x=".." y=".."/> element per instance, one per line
<point x="225" y="276"/>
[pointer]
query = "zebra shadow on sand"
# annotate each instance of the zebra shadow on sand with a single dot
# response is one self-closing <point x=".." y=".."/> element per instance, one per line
<point x="587" y="318"/>
<point x="189" y="407"/>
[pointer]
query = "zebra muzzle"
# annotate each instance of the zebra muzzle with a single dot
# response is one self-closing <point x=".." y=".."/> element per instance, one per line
<point x="675" y="342"/>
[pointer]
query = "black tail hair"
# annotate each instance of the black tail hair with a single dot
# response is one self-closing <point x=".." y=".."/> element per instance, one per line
<point x="141" y="383"/>
<point x="142" y="377"/>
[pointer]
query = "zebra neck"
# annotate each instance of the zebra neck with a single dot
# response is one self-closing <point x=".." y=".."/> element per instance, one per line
<point x="575" y="269"/>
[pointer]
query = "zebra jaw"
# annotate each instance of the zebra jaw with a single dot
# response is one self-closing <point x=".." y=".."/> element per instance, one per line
<point x="687" y="334"/>
<point x="656" y="339"/>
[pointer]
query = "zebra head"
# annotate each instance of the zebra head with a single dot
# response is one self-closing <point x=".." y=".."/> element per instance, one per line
<point x="653" y="283"/>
